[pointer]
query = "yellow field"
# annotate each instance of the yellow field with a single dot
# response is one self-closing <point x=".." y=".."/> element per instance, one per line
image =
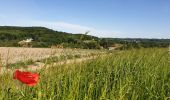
<point x="10" y="55"/>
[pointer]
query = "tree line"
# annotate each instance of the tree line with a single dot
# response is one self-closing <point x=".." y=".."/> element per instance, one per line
<point x="44" y="37"/>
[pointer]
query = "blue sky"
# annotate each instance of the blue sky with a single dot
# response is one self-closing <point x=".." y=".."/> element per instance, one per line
<point x="103" y="18"/>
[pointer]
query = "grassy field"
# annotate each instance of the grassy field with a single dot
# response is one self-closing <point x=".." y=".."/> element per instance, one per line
<point x="142" y="74"/>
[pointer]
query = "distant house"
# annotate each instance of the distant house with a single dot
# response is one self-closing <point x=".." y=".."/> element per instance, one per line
<point x="26" y="43"/>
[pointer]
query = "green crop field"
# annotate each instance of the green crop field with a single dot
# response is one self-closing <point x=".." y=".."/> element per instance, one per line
<point x="142" y="74"/>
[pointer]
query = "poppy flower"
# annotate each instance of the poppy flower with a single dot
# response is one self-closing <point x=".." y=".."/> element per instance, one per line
<point x="27" y="78"/>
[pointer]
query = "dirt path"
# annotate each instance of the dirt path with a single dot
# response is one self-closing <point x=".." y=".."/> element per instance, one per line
<point x="41" y="65"/>
<point x="70" y="61"/>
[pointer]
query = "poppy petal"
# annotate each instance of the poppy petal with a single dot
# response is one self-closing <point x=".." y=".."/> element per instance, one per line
<point x="27" y="78"/>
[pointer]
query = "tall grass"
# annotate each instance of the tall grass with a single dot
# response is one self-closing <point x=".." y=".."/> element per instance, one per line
<point x="134" y="75"/>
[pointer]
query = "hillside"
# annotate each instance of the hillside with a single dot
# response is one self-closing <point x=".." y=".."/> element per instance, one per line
<point x="44" y="37"/>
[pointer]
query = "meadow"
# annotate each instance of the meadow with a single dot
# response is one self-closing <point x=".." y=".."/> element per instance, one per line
<point x="137" y="74"/>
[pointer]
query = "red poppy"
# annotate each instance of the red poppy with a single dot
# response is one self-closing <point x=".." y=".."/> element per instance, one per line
<point x="27" y="78"/>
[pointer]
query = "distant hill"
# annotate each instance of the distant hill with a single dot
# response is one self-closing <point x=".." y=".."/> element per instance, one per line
<point x="44" y="37"/>
<point x="137" y="42"/>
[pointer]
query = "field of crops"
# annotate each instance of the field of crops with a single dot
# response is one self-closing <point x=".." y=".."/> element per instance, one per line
<point x="142" y="74"/>
<point x="10" y="55"/>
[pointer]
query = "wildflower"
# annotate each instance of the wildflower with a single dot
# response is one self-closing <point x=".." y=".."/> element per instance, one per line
<point x="27" y="78"/>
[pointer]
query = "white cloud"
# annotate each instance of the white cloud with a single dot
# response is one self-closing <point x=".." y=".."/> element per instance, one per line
<point x="75" y="28"/>
<point x="58" y="26"/>
<point x="6" y="20"/>
<point x="63" y="26"/>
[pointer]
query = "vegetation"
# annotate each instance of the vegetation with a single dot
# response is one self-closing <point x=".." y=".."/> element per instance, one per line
<point x="44" y="37"/>
<point x="141" y="74"/>
<point x="130" y="43"/>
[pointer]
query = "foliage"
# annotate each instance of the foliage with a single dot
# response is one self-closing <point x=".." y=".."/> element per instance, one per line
<point x="44" y="37"/>
<point x="91" y="44"/>
<point x="130" y="43"/>
<point x="142" y="74"/>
